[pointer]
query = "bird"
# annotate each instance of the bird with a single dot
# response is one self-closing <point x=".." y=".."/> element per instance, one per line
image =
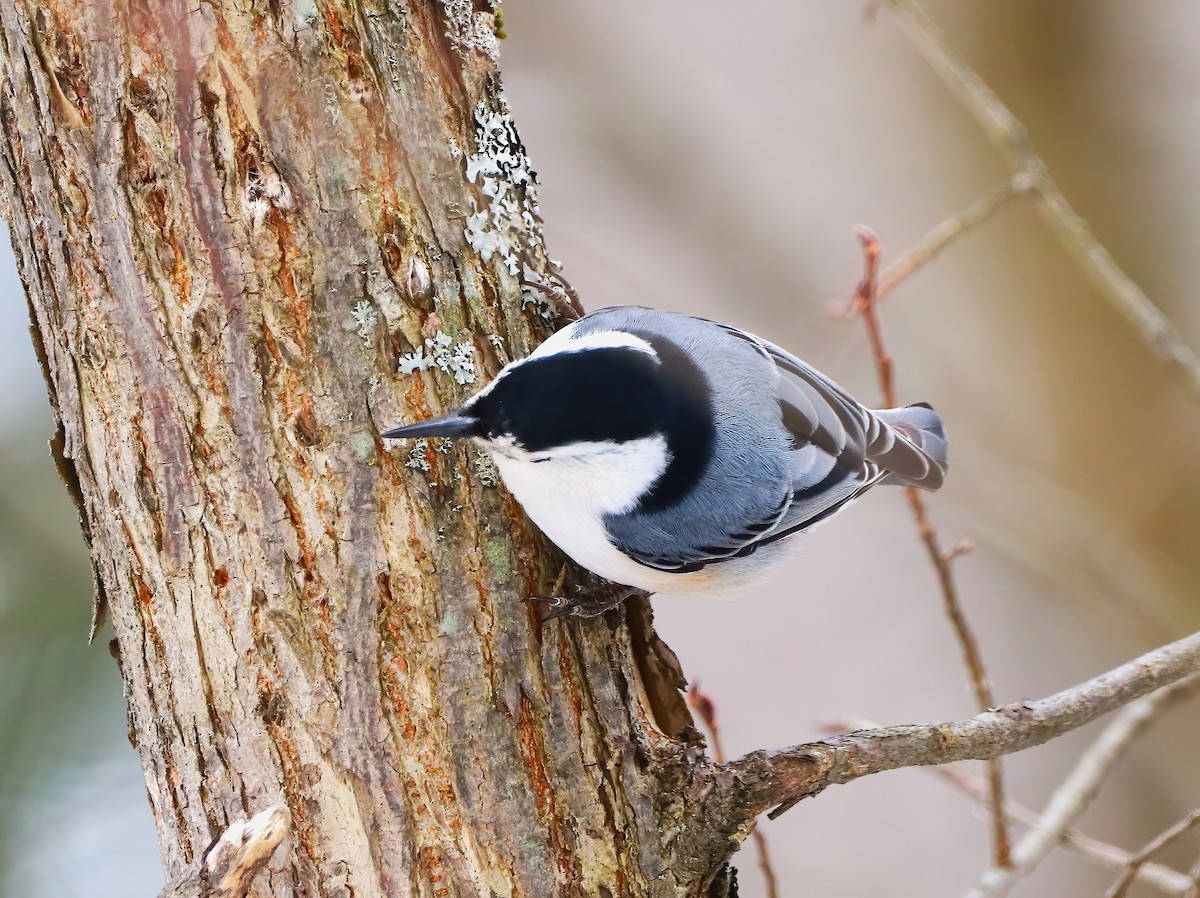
<point x="669" y="453"/>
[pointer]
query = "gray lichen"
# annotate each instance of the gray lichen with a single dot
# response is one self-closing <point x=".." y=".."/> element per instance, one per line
<point x="441" y="352"/>
<point x="507" y="223"/>
<point x="365" y="318"/>
<point x="417" y="459"/>
<point x="486" y="470"/>
<point x="469" y="30"/>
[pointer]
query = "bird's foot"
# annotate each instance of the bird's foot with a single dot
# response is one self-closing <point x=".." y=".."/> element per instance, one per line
<point x="590" y="599"/>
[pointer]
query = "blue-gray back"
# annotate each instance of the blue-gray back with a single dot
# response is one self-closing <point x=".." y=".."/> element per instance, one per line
<point x="789" y="446"/>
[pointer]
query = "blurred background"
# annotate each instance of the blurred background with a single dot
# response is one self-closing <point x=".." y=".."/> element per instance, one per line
<point x="713" y="158"/>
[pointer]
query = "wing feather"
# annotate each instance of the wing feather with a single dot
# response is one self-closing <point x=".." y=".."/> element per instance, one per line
<point x="840" y="449"/>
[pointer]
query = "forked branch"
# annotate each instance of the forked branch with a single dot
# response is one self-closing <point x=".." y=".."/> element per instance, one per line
<point x="1166" y="880"/>
<point x="950" y="229"/>
<point x="1157" y="844"/>
<point x="1011" y="139"/>
<point x="1078" y="790"/>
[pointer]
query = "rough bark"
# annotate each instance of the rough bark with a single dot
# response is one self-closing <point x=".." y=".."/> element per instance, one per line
<point x="238" y="223"/>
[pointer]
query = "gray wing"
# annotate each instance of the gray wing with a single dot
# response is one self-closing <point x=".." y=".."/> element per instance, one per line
<point x="839" y="450"/>
<point x="842" y="448"/>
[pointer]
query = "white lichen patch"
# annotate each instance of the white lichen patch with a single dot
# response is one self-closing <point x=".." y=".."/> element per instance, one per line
<point x="462" y="364"/>
<point x="486" y="470"/>
<point x="469" y="30"/>
<point x="305" y="13"/>
<point x="416" y="361"/>
<point x="417" y="459"/>
<point x="440" y="350"/>
<point x="506" y="223"/>
<point x="365" y="318"/>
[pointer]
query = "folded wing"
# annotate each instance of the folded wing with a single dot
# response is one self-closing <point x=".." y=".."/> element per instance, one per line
<point x="840" y="449"/>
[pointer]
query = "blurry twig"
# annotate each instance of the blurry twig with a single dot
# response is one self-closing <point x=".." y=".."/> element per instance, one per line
<point x="1194" y="880"/>
<point x="1011" y="140"/>
<point x="1161" y="841"/>
<point x="932" y="244"/>
<point x="703" y="704"/>
<point x="1072" y="798"/>
<point x="865" y="297"/>
<point x="1166" y="880"/>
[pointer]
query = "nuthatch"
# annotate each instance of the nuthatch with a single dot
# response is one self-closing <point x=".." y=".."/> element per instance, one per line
<point x="673" y="454"/>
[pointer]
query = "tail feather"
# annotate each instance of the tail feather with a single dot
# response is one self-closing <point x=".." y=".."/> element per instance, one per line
<point x="919" y="457"/>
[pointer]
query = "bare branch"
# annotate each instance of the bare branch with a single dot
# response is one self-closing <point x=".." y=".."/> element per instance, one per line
<point x="865" y="303"/>
<point x="1011" y="139"/>
<point x="932" y="244"/>
<point x="230" y="865"/>
<point x="1076" y="793"/>
<point x="760" y="781"/>
<point x="1161" y="841"/>
<point x="1166" y="880"/>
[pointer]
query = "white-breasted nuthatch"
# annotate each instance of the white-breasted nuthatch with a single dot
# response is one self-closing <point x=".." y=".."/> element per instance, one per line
<point x="675" y="454"/>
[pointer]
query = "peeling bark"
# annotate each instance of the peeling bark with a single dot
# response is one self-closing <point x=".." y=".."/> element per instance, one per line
<point x="238" y="225"/>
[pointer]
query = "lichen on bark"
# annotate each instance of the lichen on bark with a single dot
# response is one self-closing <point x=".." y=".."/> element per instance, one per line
<point x="233" y="221"/>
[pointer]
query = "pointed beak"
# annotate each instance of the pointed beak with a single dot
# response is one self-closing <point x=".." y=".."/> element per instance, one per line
<point x="449" y="426"/>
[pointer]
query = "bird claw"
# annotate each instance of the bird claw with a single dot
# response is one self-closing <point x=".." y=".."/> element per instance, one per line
<point x="557" y="607"/>
<point x="588" y="605"/>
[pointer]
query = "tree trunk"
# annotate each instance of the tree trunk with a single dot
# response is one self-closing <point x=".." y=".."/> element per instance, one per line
<point x="252" y="235"/>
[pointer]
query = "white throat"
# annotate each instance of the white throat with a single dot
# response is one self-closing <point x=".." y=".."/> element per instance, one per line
<point x="599" y="478"/>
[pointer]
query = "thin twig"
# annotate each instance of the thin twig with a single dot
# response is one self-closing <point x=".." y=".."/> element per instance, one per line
<point x="703" y="704"/>
<point x="762" y="780"/>
<point x="865" y="303"/>
<point x="932" y="244"/>
<point x="1165" y="879"/>
<point x="1075" y="794"/>
<point x="1011" y="140"/>
<point x="1161" y="841"/>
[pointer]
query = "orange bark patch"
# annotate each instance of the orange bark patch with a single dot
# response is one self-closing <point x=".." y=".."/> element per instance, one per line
<point x="289" y="253"/>
<point x="543" y="790"/>
<point x="345" y="41"/>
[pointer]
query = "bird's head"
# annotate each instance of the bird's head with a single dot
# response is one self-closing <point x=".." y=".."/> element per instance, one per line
<point x="597" y="401"/>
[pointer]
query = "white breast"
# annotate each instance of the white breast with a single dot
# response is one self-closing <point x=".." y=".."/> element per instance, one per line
<point x="568" y="496"/>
